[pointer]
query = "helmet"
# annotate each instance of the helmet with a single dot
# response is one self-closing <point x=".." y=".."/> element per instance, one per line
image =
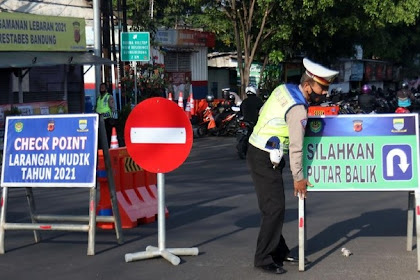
<point x="231" y="97"/>
<point x="209" y="98"/>
<point x="404" y="85"/>
<point x="402" y="110"/>
<point x="250" y="90"/>
<point x="366" y="89"/>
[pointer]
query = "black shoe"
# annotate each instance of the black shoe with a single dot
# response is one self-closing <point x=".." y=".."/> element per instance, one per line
<point x="272" y="268"/>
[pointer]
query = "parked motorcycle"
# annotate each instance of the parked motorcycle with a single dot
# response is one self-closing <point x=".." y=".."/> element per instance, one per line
<point x="219" y="120"/>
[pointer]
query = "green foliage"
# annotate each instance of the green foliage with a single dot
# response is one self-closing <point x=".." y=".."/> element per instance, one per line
<point x="150" y="81"/>
<point x="320" y="29"/>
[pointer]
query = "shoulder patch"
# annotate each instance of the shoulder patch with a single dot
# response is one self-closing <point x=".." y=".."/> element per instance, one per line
<point x="304" y="122"/>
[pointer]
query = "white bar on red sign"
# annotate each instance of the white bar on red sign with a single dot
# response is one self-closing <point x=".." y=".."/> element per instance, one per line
<point x="158" y="135"/>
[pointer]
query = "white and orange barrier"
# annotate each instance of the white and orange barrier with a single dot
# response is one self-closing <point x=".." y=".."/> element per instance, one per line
<point x="135" y="189"/>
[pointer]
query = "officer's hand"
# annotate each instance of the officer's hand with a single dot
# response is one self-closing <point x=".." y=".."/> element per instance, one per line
<point x="300" y="187"/>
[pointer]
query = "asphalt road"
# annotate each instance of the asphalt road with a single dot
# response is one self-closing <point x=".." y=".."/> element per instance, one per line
<point x="212" y="206"/>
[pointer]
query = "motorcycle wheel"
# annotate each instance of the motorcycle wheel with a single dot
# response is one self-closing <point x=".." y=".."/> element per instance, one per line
<point x="242" y="147"/>
<point x="201" y="131"/>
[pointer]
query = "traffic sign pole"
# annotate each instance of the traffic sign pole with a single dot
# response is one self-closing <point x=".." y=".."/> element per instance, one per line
<point x="169" y="254"/>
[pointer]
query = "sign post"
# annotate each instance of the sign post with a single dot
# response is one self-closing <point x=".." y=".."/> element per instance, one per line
<point x="159" y="138"/>
<point x="50" y="151"/>
<point x="363" y="153"/>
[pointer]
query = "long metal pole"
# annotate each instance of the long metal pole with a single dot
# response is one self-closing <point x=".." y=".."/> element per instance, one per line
<point x="97" y="43"/>
<point x="301" y="214"/>
<point x="3" y="205"/>
<point x="417" y="205"/>
<point x="410" y="220"/>
<point x="161" y="211"/>
<point x="135" y="83"/>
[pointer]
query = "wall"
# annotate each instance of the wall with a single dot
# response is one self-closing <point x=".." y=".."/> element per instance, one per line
<point x="218" y="79"/>
<point x="199" y="73"/>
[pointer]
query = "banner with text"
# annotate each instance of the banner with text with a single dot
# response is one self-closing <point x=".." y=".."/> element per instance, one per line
<point x="362" y="152"/>
<point x="27" y="32"/>
<point x="50" y="151"/>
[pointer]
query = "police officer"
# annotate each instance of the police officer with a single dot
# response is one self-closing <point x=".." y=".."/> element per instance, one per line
<point x="281" y="128"/>
<point x="105" y="106"/>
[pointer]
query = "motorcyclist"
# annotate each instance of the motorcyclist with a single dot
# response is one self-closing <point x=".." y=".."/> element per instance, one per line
<point x="225" y="109"/>
<point x="405" y="97"/>
<point x="251" y="106"/>
<point x="366" y="100"/>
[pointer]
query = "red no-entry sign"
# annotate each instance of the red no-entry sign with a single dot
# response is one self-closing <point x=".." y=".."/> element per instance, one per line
<point x="158" y="135"/>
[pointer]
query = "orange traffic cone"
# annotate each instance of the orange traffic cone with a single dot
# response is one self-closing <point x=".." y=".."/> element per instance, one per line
<point x="192" y="107"/>
<point x="170" y="96"/>
<point x="188" y="110"/>
<point x="114" y="140"/>
<point x="181" y="100"/>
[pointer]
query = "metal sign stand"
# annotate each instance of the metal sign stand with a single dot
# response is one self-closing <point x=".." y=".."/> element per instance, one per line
<point x="152" y="251"/>
<point x="91" y="218"/>
<point x="413" y="206"/>
<point x="90" y="228"/>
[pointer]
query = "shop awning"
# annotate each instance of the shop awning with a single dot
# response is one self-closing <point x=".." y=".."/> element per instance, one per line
<point x="38" y="59"/>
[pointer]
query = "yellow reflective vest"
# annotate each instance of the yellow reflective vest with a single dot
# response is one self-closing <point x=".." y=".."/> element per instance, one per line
<point x="102" y="106"/>
<point x="272" y="119"/>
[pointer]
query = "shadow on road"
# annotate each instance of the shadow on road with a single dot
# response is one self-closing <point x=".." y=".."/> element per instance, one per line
<point x="388" y="222"/>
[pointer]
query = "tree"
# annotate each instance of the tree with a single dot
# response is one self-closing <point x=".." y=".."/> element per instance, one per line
<point x="249" y="19"/>
<point x="272" y="31"/>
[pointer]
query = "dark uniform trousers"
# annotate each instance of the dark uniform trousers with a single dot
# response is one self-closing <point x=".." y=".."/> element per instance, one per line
<point x="268" y="183"/>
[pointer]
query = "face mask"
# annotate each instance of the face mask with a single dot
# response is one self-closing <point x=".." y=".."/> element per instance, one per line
<point x="102" y="91"/>
<point x="316" y="99"/>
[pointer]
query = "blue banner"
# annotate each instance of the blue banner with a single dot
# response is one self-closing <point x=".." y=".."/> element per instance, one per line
<point x="50" y="151"/>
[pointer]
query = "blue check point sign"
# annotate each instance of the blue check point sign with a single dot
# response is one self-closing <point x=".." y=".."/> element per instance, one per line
<point x="397" y="162"/>
<point x="50" y="151"/>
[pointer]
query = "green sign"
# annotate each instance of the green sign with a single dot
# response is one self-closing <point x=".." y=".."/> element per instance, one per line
<point x="135" y="46"/>
<point x="362" y="152"/>
<point x="26" y="32"/>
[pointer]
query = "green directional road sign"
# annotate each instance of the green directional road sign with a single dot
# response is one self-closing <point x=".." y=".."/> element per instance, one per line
<point x="362" y="152"/>
<point x="135" y="46"/>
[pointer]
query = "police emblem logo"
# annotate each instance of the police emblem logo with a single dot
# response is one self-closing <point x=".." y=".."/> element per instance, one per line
<point x="51" y="125"/>
<point x="82" y="126"/>
<point x="398" y="124"/>
<point x="357" y="125"/>
<point x="19" y="126"/>
<point x="315" y="126"/>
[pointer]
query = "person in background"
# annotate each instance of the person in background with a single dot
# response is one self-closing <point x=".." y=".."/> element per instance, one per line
<point x="405" y="97"/>
<point x="367" y="100"/>
<point x="105" y="106"/>
<point x="280" y="129"/>
<point x="169" y="87"/>
<point x="251" y="106"/>
<point x="187" y="90"/>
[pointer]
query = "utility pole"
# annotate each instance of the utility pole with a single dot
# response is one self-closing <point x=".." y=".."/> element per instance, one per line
<point x="97" y="43"/>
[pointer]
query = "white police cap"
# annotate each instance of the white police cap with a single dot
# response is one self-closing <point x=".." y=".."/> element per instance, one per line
<point x="319" y="73"/>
